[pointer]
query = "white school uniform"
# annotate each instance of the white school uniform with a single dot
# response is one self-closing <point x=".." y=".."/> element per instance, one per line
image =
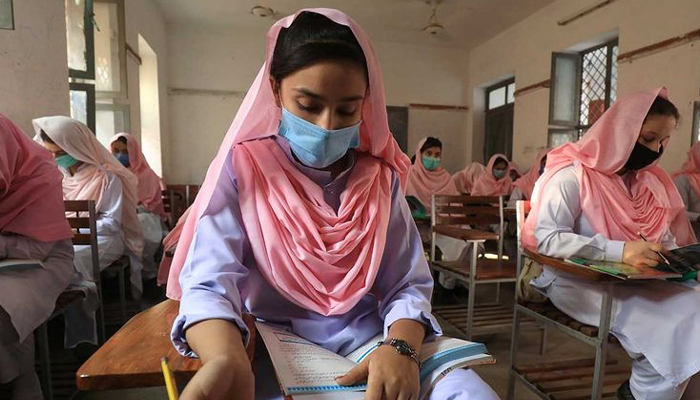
<point x="657" y="323"/>
<point x="691" y="201"/>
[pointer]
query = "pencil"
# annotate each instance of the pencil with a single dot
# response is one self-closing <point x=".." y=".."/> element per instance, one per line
<point x="657" y="252"/>
<point x="170" y="384"/>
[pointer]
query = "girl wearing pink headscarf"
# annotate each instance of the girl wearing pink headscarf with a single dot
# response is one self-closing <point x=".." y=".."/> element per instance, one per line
<point x="496" y="181"/>
<point x="302" y="221"/>
<point x="151" y="212"/>
<point x="464" y="179"/>
<point x="523" y="187"/>
<point x="593" y="201"/>
<point x="90" y="172"/>
<point x="687" y="181"/>
<point x="32" y="226"/>
<point x="426" y="177"/>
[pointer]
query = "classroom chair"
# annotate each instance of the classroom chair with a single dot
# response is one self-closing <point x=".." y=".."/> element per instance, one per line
<point x="590" y="378"/>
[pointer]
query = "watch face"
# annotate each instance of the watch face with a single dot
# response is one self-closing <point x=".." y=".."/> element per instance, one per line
<point x="402" y="347"/>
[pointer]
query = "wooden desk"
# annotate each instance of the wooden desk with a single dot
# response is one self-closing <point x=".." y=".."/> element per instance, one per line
<point x="131" y="358"/>
<point x="560" y="265"/>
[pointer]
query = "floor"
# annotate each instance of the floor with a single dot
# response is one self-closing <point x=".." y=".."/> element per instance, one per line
<point x="559" y="347"/>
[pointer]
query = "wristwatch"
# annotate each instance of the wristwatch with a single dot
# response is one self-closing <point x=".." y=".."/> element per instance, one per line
<point x="402" y="347"/>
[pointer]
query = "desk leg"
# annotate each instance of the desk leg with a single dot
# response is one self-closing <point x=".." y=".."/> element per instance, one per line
<point x="515" y="333"/>
<point x="44" y="361"/>
<point x="601" y="350"/>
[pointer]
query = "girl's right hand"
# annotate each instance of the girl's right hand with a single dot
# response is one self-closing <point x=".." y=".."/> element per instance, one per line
<point x="641" y="254"/>
<point x="219" y="379"/>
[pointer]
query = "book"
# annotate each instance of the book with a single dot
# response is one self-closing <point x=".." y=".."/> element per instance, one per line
<point x="623" y="271"/>
<point x="307" y="371"/>
<point x="14" y="264"/>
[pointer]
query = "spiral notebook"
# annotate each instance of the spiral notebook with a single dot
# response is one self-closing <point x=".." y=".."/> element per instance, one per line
<point x="307" y="371"/>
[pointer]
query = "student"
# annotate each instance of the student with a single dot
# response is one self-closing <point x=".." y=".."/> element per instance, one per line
<point x="426" y="177"/>
<point x="523" y="187"/>
<point x="593" y="201"/>
<point x="90" y="172"/>
<point x="514" y="171"/>
<point x="495" y="182"/>
<point x="687" y="181"/>
<point x="33" y="226"/>
<point x="151" y="212"/>
<point x="302" y="221"/>
<point x="464" y="179"/>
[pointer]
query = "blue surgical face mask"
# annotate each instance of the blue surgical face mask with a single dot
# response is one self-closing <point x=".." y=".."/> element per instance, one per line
<point x="499" y="173"/>
<point x="66" y="161"/>
<point x="123" y="158"/>
<point x="314" y="146"/>
<point x="430" y="163"/>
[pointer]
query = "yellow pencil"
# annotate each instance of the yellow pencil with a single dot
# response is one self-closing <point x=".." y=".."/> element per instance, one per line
<point x="170" y="384"/>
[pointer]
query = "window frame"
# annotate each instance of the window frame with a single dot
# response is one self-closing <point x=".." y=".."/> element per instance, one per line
<point x="11" y="10"/>
<point x="89" y="32"/>
<point x="695" y="133"/>
<point x="502" y="84"/>
<point x="89" y="89"/>
<point x="123" y="91"/>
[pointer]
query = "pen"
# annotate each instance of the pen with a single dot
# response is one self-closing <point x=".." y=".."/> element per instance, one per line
<point x="657" y="252"/>
<point x="170" y="384"/>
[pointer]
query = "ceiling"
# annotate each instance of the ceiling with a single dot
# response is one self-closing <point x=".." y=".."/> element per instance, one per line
<point x="467" y="22"/>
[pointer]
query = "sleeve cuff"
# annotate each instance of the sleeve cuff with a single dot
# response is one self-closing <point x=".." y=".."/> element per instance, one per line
<point x="614" y="250"/>
<point x="216" y="308"/>
<point x="404" y="310"/>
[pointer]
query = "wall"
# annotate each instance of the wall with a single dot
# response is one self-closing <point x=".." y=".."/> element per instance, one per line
<point x="143" y="17"/>
<point x="221" y="65"/>
<point x="524" y="50"/>
<point x="33" y="63"/>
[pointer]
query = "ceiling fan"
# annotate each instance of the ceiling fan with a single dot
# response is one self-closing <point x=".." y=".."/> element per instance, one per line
<point x="433" y="27"/>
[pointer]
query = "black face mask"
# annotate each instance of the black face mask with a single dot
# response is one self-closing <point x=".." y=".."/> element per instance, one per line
<point x="642" y="156"/>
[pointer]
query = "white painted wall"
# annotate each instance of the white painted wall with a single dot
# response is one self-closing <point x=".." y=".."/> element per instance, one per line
<point x="525" y="51"/>
<point x="143" y="17"/>
<point x="33" y="63"/>
<point x="227" y="60"/>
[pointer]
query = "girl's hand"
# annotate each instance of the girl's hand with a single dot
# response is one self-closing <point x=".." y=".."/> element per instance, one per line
<point x="640" y="254"/>
<point x="220" y="379"/>
<point x="389" y="375"/>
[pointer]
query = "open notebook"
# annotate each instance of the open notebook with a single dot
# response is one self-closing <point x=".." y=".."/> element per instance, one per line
<point x="307" y="371"/>
<point x="13" y="264"/>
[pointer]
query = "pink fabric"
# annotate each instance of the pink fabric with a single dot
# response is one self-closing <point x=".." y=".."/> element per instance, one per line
<point x="526" y="183"/>
<point x="150" y="184"/>
<point x="487" y="185"/>
<point x="91" y="180"/>
<point x="652" y="203"/>
<point x="169" y="246"/>
<point x="691" y="168"/>
<point x="464" y="179"/>
<point x="513" y="166"/>
<point x="258" y="117"/>
<point x="31" y="201"/>
<point x="422" y="184"/>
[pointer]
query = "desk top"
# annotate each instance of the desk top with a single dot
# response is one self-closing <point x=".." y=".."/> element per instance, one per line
<point x="131" y="358"/>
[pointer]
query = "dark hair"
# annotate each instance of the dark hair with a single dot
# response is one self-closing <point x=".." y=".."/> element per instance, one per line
<point x="313" y="38"/>
<point x="501" y="160"/>
<point x="662" y="106"/>
<point x="45" y="137"/>
<point x="122" y="139"/>
<point x="431" y="142"/>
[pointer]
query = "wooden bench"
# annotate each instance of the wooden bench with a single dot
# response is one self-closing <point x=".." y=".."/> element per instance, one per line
<point x="131" y="358"/>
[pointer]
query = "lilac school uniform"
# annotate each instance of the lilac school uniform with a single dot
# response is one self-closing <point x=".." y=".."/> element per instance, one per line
<point x="220" y="281"/>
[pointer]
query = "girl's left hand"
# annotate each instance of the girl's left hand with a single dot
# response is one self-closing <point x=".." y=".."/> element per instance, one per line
<point x="389" y="376"/>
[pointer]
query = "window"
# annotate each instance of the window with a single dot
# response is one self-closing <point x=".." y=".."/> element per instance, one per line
<point x="500" y="94"/>
<point x="82" y="103"/>
<point x="80" y="37"/>
<point x="111" y="119"/>
<point x="7" y="20"/>
<point x="110" y="49"/>
<point x="583" y="86"/>
<point x="696" y="122"/>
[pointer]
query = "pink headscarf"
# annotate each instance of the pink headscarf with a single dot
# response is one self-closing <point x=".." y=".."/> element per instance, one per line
<point x="691" y="168"/>
<point x="91" y="181"/>
<point x="319" y="260"/>
<point x="31" y="202"/>
<point x="487" y="185"/>
<point x="422" y="183"/>
<point x="527" y="182"/>
<point x="464" y="179"/>
<point x="149" y="183"/>
<point x="651" y="204"/>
